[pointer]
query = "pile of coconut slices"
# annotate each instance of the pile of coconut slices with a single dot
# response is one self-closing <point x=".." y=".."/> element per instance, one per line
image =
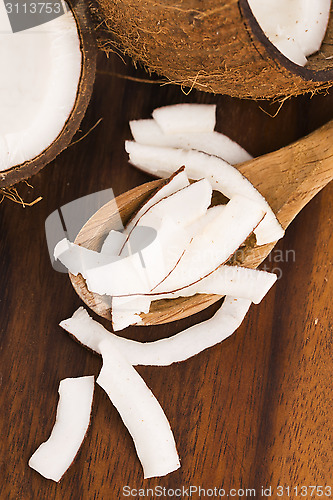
<point x="188" y="254"/>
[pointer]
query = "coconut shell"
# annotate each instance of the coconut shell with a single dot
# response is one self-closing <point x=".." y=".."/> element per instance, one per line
<point x="88" y="70"/>
<point x="215" y="46"/>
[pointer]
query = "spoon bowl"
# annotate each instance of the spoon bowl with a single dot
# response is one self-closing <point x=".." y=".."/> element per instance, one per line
<point x="288" y="178"/>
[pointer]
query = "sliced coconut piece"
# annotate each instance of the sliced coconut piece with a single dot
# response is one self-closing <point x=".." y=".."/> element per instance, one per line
<point x="235" y="281"/>
<point x="215" y="245"/>
<point x="149" y="133"/>
<point x="174" y="183"/>
<point x="113" y="243"/>
<point x="296" y="28"/>
<point x="180" y="118"/>
<point x="104" y="274"/>
<point x="169" y="216"/>
<point x="39" y="83"/>
<point x="199" y="225"/>
<point x="54" y="456"/>
<point x="205" y="252"/>
<point x="222" y="176"/>
<point x="125" y="311"/>
<point x="183" y="207"/>
<point x="168" y="246"/>
<point x="140" y="412"/>
<point x="166" y="351"/>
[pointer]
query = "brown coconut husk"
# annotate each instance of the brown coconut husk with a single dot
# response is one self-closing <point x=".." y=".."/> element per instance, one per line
<point x="215" y="46"/>
<point x="88" y="70"/>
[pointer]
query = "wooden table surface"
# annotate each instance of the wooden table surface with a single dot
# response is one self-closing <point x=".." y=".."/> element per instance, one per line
<point x="255" y="411"/>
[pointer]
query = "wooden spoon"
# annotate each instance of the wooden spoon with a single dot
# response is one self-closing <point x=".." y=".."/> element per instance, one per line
<point x="288" y="178"/>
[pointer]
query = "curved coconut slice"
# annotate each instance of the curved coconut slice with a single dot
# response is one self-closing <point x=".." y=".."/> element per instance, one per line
<point x="166" y="351"/>
<point x="140" y="412"/>
<point x="183" y="207"/>
<point x="44" y="89"/>
<point x="222" y="176"/>
<point x="235" y="281"/>
<point x="114" y="241"/>
<point x="296" y="28"/>
<point x="215" y="245"/>
<point x="213" y="143"/>
<point x="174" y="183"/>
<point x="180" y="118"/>
<point x="53" y="457"/>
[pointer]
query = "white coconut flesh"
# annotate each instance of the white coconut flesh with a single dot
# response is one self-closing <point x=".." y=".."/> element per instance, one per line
<point x="140" y="412"/>
<point x="235" y="281"/>
<point x="114" y="243"/>
<point x="170" y="217"/>
<point x="175" y="260"/>
<point x="114" y="275"/>
<point x="214" y="245"/>
<point x="41" y="69"/>
<point x="173" y="184"/>
<point x="104" y="274"/>
<point x="195" y="263"/>
<point x="296" y="27"/>
<point x="204" y="253"/>
<point x="180" y="118"/>
<point x="214" y="143"/>
<point x="54" y="456"/>
<point x="175" y="349"/>
<point x="163" y="161"/>
<point x="126" y="310"/>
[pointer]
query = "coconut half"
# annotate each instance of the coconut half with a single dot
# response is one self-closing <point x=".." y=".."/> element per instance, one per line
<point x="296" y="28"/>
<point x="44" y="90"/>
<point x="54" y="456"/>
<point x="215" y="46"/>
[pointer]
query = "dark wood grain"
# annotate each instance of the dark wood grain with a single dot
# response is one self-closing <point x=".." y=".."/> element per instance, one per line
<point x="254" y="411"/>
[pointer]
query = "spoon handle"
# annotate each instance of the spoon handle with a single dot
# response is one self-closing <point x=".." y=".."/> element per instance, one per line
<point x="290" y="177"/>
